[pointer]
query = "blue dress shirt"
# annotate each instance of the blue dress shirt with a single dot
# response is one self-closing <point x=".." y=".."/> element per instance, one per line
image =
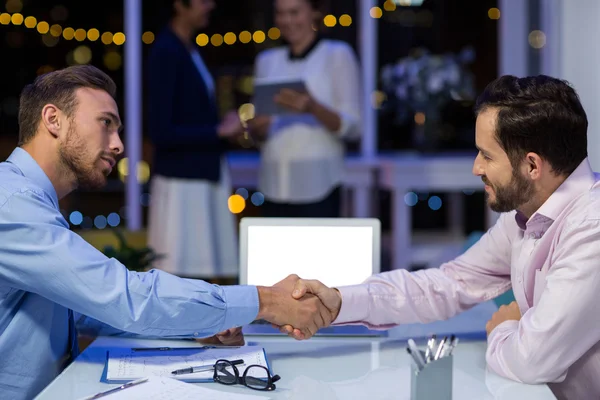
<point x="48" y="273"/>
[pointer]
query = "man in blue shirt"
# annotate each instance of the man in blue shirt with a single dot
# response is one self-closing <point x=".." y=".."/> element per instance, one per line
<point x="69" y="138"/>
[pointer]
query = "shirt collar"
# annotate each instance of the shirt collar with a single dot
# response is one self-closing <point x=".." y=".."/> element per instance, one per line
<point x="306" y="51"/>
<point x="31" y="169"/>
<point x="581" y="180"/>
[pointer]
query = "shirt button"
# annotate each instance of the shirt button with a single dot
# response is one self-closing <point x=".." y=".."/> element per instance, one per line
<point x="532" y="235"/>
<point x="196" y="333"/>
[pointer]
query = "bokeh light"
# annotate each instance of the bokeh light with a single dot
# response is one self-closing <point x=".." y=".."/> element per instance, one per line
<point x="411" y="199"/>
<point x="257" y="199"/>
<point x="76" y="218"/>
<point x="236" y="203"/>
<point x="435" y="203"/>
<point x="242" y="192"/>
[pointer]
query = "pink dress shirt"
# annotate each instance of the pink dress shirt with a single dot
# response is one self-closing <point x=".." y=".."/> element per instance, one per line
<point x="552" y="262"/>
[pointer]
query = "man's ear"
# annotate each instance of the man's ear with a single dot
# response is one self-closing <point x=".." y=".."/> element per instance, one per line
<point x="52" y="119"/>
<point x="534" y="165"/>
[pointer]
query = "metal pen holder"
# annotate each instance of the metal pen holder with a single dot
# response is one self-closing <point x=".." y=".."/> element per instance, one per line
<point x="434" y="381"/>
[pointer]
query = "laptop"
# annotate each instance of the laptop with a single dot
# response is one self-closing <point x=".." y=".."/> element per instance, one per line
<point x="335" y="251"/>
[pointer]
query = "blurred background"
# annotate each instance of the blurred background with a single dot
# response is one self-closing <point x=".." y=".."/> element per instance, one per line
<point x="432" y="58"/>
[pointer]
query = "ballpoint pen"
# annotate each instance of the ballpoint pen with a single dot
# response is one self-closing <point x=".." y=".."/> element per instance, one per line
<point x="447" y="347"/>
<point x="415" y="352"/>
<point x="430" y="347"/>
<point x="453" y="345"/>
<point x="200" y="368"/>
<point x="114" y="390"/>
<point x="438" y="353"/>
<point x="417" y="361"/>
<point x="136" y="349"/>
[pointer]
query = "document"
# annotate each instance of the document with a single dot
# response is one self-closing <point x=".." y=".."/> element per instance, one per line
<point x="125" y="365"/>
<point x="163" y="388"/>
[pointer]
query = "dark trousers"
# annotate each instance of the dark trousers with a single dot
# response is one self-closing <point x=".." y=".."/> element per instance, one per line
<point x="329" y="207"/>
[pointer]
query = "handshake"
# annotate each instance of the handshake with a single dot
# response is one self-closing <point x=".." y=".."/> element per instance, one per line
<point x="299" y="307"/>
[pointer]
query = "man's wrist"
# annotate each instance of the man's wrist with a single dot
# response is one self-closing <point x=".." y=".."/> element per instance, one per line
<point x="265" y="301"/>
<point x="336" y="312"/>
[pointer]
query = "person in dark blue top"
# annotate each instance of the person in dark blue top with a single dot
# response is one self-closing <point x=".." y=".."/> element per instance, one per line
<point x="190" y="185"/>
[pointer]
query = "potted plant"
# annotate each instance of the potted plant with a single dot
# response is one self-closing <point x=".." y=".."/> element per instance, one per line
<point x="138" y="260"/>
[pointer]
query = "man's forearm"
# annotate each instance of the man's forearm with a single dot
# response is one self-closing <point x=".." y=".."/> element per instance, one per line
<point x="265" y="303"/>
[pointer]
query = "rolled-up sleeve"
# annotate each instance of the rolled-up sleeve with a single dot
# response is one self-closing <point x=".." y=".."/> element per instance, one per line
<point x="562" y="326"/>
<point x="43" y="256"/>
<point x="401" y="297"/>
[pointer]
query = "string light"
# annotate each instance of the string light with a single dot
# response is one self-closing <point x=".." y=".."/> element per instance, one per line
<point x="16" y="19"/>
<point x="494" y="13"/>
<point x="4" y="19"/>
<point x="69" y="33"/>
<point x="274" y="33"/>
<point x="245" y="37"/>
<point x="108" y="38"/>
<point x="55" y="30"/>
<point x="148" y="37"/>
<point x="30" y="22"/>
<point x="216" y="40"/>
<point x="202" y="39"/>
<point x="119" y="38"/>
<point x="330" y="21"/>
<point x="80" y="35"/>
<point x="258" y="36"/>
<point x="43" y="27"/>
<point x="230" y="38"/>
<point x="376" y="12"/>
<point x="93" y="34"/>
<point x="345" y="20"/>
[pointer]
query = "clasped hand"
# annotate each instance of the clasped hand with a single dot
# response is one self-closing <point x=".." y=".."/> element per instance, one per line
<point x="504" y="313"/>
<point x="305" y="306"/>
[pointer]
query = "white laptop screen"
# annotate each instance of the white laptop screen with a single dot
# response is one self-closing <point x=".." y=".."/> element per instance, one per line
<point x="335" y="255"/>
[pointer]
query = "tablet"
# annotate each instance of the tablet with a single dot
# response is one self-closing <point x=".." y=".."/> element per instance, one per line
<point x="264" y="96"/>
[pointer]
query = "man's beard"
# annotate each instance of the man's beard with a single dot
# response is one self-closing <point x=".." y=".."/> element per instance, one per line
<point x="77" y="160"/>
<point x="512" y="196"/>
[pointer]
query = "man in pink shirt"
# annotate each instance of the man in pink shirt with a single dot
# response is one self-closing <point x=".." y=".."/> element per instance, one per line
<point x="532" y="139"/>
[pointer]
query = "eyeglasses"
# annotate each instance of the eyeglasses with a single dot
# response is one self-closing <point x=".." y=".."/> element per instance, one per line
<point x="255" y="377"/>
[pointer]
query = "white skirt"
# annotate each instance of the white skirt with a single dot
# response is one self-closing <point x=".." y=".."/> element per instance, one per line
<point x="191" y="225"/>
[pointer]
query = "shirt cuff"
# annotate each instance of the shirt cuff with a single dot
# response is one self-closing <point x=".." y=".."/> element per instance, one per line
<point x="355" y="304"/>
<point x="242" y="305"/>
<point x="348" y="127"/>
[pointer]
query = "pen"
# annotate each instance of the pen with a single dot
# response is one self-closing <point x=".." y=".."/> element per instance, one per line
<point x="453" y="345"/>
<point x="447" y="346"/>
<point x="416" y="353"/>
<point x="438" y="353"/>
<point x="183" y="348"/>
<point x="200" y="368"/>
<point x="152" y="348"/>
<point x="430" y="346"/>
<point x="114" y="390"/>
<point x="414" y="357"/>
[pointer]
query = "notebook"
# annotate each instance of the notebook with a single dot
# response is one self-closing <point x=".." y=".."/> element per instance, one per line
<point x="335" y="251"/>
<point x="125" y="364"/>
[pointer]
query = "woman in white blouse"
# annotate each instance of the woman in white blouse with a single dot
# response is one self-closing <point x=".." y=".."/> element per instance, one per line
<point x="302" y="157"/>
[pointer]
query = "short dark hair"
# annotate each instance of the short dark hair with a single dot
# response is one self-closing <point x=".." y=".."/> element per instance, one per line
<point x="538" y="114"/>
<point x="58" y="88"/>
<point x="171" y="6"/>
